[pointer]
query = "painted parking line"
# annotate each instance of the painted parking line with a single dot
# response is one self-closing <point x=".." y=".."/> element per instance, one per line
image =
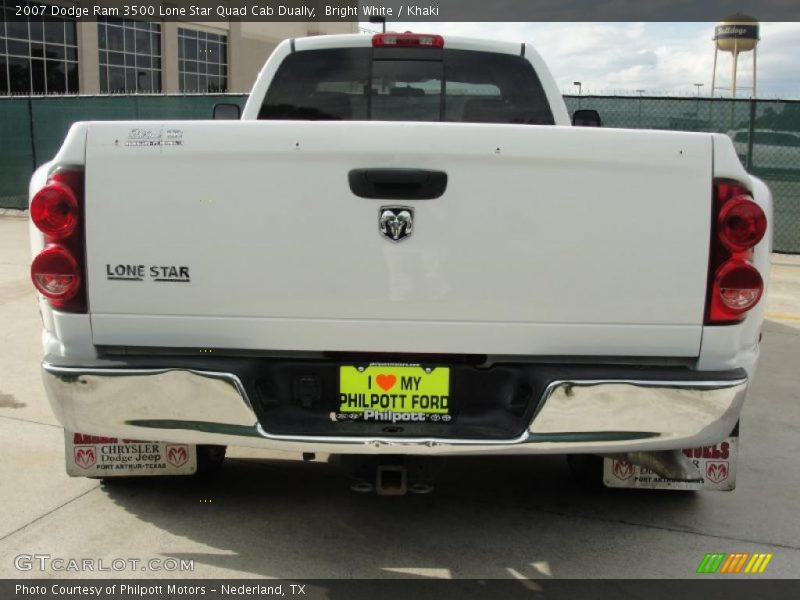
<point x="782" y="316"/>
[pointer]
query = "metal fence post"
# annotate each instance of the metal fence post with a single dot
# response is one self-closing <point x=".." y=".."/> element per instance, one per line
<point x="751" y="133"/>
<point x="31" y="129"/>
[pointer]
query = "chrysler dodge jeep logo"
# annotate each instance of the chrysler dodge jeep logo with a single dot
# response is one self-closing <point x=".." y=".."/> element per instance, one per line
<point x="396" y="222"/>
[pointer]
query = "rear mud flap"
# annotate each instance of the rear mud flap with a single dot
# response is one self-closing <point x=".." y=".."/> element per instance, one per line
<point x="717" y="464"/>
<point x="96" y="456"/>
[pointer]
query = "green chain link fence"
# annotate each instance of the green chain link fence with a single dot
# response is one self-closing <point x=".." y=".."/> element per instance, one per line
<point x="32" y="128"/>
<point x="766" y="134"/>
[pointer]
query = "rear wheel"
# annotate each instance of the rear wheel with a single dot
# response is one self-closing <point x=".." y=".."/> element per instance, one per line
<point x="209" y="459"/>
<point x="587" y="470"/>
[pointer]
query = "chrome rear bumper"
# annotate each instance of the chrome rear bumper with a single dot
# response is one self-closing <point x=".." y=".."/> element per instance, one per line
<point x="578" y="416"/>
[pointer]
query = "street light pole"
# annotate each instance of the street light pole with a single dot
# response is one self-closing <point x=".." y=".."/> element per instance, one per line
<point x="580" y="89"/>
<point x="381" y="20"/>
<point x="697" y="103"/>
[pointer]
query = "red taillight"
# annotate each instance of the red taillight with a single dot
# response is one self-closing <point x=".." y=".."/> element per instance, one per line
<point x="56" y="274"/>
<point x="736" y="289"/>
<point x="741" y="224"/>
<point x="407" y="40"/>
<point x="57" y="271"/>
<point x="54" y="210"/>
<point x="735" y="285"/>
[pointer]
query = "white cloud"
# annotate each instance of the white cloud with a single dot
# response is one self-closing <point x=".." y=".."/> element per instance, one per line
<point x="662" y="58"/>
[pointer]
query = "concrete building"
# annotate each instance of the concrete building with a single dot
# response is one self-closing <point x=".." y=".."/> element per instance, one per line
<point x="115" y="55"/>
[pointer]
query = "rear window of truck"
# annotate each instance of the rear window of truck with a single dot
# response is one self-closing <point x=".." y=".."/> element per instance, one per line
<point x="362" y="84"/>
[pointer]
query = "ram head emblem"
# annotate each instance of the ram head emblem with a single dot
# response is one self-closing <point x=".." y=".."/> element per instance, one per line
<point x="396" y="222"/>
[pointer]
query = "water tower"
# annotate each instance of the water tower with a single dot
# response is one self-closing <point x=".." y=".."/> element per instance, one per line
<point x="735" y="34"/>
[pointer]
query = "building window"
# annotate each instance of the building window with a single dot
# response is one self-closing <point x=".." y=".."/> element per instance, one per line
<point x="202" y="61"/>
<point x="130" y="56"/>
<point x="36" y="56"/>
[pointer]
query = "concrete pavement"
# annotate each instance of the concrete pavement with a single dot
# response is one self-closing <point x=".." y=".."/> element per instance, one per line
<point x="267" y="516"/>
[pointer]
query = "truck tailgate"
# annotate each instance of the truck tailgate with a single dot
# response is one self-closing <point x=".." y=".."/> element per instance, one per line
<point x="547" y="240"/>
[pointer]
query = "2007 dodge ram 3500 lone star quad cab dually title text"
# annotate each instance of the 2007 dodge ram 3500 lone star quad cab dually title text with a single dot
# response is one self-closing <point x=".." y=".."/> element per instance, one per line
<point x="402" y="248"/>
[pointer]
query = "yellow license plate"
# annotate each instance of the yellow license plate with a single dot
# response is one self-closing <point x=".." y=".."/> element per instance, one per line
<point x="394" y="393"/>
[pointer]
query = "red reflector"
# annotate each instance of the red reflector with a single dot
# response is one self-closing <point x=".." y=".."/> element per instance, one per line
<point x="737" y="288"/>
<point x="727" y="189"/>
<point x="56" y="274"/>
<point x="741" y="224"/>
<point x="54" y="210"/>
<point x="407" y="40"/>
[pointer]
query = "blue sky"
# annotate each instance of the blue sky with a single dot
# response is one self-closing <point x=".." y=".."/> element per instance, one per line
<point x="657" y="57"/>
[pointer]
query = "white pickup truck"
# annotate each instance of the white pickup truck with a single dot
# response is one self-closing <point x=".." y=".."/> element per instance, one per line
<point x="402" y="248"/>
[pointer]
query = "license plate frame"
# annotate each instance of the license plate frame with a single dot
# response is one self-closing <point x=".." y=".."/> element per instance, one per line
<point x="394" y="393"/>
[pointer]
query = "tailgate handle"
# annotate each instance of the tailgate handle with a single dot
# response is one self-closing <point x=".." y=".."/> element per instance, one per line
<point x="397" y="184"/>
